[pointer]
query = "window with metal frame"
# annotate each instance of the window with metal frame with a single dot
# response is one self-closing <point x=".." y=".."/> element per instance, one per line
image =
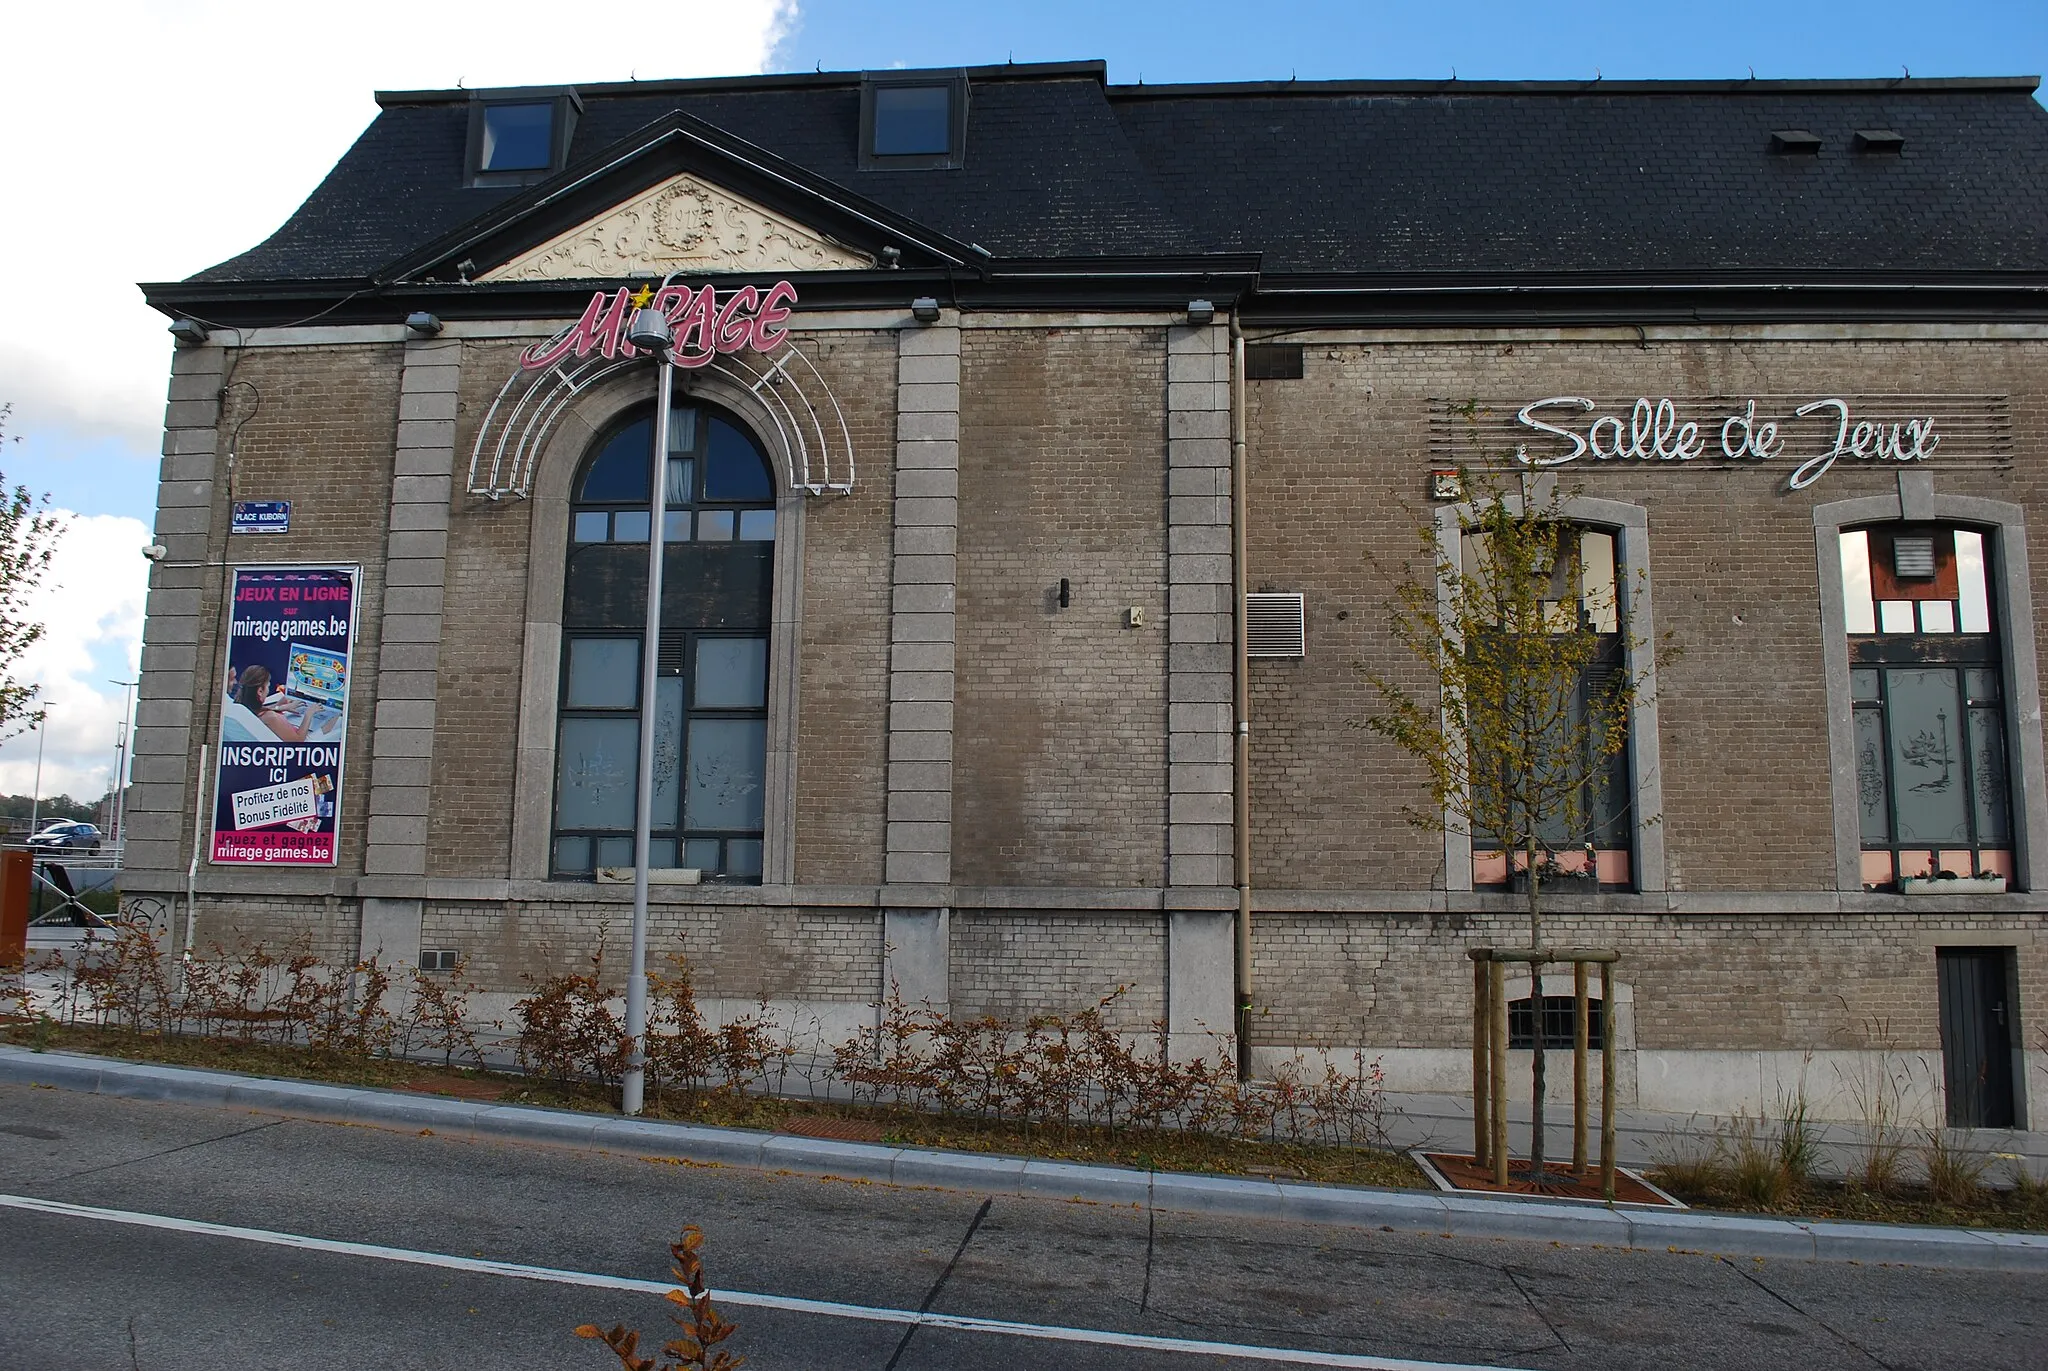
<point x="1926" y="686"/>
<point x="711" y="693"/>
<point x="1598" y="853"/>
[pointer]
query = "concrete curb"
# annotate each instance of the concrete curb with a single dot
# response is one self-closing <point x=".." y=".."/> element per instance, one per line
<point x="1408" y="1211"/>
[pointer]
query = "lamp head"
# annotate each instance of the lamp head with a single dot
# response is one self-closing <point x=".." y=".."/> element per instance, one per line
<point x="648" y="330"/>
<point x="925" y="309"/>
<point x="422" y="323"/>
<point x="1201" y="312"/>
<point x="188" y="333"/>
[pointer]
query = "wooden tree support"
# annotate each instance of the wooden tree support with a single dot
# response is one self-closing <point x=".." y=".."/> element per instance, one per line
<point x="1490" y="1051"/>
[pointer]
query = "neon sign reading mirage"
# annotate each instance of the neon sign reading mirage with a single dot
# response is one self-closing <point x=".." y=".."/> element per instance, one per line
<point x="1653" y="432"/>
<point x="704" y="326"/>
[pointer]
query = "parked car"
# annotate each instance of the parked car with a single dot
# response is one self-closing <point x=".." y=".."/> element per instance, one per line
<point x="66" y="835"/>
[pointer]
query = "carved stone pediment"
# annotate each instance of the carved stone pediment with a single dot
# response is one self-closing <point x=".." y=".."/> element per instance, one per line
<point x="681" y="223"/>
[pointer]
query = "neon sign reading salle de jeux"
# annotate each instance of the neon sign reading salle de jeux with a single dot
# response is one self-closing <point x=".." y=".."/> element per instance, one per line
<point x="704" y="326"/>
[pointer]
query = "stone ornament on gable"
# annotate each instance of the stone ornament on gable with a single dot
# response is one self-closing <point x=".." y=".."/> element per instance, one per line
<point x="682" y="223"/>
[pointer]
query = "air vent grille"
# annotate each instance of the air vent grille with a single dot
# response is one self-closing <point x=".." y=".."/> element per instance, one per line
<point x="1272" y="361"/>
<point x="1913" y="559"/>
<point x="1276" y="625"/>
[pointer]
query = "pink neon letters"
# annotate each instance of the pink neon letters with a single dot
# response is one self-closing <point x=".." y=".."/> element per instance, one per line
<point x="704" y="327"/>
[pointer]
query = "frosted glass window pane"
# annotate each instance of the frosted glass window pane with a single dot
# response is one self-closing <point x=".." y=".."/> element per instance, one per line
<point x="675" y="527"/>
<point x="594" y="774"/>
<point x="1927" y="755"/>
<point x="1981" y="685"/>
<point x="1937" y="616"/>
<point x="1870" y="778"/>
<point x="1863" y="684"/>
<point x="743" y="857"/>
<point x="614" y="851"/>
<point x="757" y="525"/>
<point x="1987" y="775"/>
<point x="1895" y="616"/>
<point x="701" y="853"/>
<point x="604" y="673"/>
<point x="661" y="853"/>
<point x="592" y="526"/>
<point x="630" y="526"/>
<point x="732" y="673"/>
<point x="668" y="750"/>
<point x="727" y="760"/>
<point x="714" y="526"/>
<point x="1596" y="560"/>
<point x="572" y="854"/>
<point x="1972" y="597"/>
<point x="1858" y="613"/>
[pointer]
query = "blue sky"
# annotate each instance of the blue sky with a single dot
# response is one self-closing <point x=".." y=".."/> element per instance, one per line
<point x="1199" y="40"/>
<point x="222" y="115"/>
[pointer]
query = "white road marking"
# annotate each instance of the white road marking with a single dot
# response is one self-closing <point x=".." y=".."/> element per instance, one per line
<point x="741" y="1298"/>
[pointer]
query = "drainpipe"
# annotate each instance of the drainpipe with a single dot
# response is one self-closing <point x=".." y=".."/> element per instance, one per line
<point x="1241" y="782"/>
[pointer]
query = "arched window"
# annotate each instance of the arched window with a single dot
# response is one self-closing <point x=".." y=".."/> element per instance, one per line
<point x="1925" y="682"/>
<point x="711" y="697"/>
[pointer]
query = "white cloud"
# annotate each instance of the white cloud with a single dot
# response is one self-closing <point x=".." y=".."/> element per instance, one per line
<point x="148" y="140"/>
<point x="91" y="604"/>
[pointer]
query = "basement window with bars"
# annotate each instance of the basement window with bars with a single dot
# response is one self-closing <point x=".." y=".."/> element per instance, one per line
<point x="711" y="685"/>
<point x="1558" y="1012"/>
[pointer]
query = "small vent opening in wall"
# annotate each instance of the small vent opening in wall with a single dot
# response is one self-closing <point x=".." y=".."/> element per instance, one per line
<point x="438" y="959"/>
<point x="1272" y="361"/>
<point x="1276" y="625"/>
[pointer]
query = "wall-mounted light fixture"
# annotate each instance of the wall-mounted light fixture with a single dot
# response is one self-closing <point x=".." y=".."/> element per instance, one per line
<point x="892" y="257"/>
<point x="423" y="324"/>
<point x="648" y="330"/>
<point x="188" y="333"/>
<point x="1201" y="312"/>
<point x="925" y="310"/>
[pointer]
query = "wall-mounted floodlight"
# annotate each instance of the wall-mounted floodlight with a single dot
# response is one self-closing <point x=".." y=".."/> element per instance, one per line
<point x="1201" y="312"/>
<point x="925" y="310"/>
<point x="422" y="323"/>
<point x="188" y="333"/>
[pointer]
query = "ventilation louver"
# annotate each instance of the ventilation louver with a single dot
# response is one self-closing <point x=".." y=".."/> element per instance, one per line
<point x="1272" y="362"/>
<point x="1913" y="559"/>
<point x="1276" y="625"/>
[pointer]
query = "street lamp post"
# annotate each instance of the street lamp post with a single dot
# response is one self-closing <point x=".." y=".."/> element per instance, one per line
<point x="119" y="836"/>
<point x="648" y="330"/>
<point x="35" y="804"/>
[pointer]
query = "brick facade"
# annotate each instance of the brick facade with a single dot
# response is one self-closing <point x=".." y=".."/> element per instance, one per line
<point x="1067" y="728"/>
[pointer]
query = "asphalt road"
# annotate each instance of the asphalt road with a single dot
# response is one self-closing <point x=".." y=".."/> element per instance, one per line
<point x="96" y="1287"/>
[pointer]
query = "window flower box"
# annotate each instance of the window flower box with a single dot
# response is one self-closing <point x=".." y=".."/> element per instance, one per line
<point x="1952" y="885"/>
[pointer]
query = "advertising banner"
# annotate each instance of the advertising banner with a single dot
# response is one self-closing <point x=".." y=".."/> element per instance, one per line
<point x="283" y="715"/>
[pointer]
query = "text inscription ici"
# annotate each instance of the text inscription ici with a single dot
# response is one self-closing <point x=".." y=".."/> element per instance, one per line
<point x="1655" y="432"/>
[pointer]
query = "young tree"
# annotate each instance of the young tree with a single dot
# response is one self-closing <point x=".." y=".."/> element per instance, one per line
<point x="28" y="535"/>
<point x="1527" y="650"/>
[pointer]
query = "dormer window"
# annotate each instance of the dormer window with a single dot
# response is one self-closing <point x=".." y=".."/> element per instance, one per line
<point x="517" y="137"/>
<point x="913" y="122"/>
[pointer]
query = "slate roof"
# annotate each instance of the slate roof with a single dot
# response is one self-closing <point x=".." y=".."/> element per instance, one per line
<point x="1323" y="178"/>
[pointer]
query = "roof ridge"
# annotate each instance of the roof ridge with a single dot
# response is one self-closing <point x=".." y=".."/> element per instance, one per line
<point x="1094" y="69"/>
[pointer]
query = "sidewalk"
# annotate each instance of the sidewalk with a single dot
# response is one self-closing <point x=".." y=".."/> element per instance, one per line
<point x="1397" y="1210"/>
